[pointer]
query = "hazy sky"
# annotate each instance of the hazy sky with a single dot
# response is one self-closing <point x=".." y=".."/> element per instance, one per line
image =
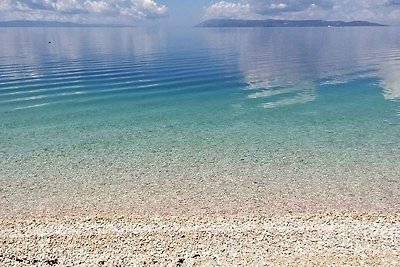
<point x="189" y="12"/>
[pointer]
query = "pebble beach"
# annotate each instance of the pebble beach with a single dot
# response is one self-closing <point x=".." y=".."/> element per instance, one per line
<point x="324" y="239"/>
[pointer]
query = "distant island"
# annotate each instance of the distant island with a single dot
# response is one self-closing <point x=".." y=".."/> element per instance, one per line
<point x="235" y="23"/>
<point x="55" y="24"/>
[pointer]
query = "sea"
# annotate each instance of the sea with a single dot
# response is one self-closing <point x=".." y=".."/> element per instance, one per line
<point x="199" y="119"/>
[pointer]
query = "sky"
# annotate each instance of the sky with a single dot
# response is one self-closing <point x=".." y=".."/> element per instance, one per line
<point x="191" y="12"/>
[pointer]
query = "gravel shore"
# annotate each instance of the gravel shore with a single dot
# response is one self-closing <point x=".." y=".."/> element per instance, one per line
<point x="312" y="239"/>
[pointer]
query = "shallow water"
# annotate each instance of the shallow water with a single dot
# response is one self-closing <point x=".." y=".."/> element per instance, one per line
<point x="311" y="113"/>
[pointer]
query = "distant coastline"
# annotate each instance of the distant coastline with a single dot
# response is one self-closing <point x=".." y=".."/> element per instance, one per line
<point x="57" y="24"/>
<point x="234" y="23"/>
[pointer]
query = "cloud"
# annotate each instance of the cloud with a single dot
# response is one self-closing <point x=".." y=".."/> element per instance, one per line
<point x="82" y="10"/>
<point x="283" y="6"/>
<point x="258" y="8"/>
<point x="229" y="10"/>
<point x="377" y="10"/>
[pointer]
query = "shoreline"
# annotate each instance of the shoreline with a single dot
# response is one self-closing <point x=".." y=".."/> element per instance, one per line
<point x="334" y="238"/>
<point x="296" y="220"/>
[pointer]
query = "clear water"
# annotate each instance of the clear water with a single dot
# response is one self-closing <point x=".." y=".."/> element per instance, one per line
<point x="304" y="112"/>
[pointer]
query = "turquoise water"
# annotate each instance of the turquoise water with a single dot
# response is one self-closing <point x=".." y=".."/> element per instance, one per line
<point x="311" y="112"/>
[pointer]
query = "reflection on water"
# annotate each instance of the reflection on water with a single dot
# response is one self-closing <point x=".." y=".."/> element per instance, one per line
<point x="286" y="66"/>
<point x="35" y="52"/>
<point x="301" y="92"/>
<point x="75" y="43"/>
<point x="390" y="82"/>
<point x="272" y="67"/>
<point x="42" y="66"/>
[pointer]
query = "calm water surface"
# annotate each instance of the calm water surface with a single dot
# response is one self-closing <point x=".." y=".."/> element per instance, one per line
<point x="270" y="106"/>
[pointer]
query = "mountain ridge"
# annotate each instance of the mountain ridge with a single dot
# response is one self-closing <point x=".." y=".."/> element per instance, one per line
<point x="241" y="23"/>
